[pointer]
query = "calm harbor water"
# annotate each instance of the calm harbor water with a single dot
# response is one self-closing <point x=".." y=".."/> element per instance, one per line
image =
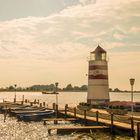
<point x="13" y="130"/>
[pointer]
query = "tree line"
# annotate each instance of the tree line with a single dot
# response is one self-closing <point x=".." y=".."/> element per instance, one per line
<point x="50" y="87"/>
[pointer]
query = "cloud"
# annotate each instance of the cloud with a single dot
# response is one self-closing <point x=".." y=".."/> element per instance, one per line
<point x="68" y="36"/>
<point x="86" y="2"/>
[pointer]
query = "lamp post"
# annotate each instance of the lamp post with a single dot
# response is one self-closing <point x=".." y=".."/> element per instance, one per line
<point x="132" y="80"/>
<point x="56" y="86"/>
<point x="15" y="94"/>
<point x="56" y="106"/>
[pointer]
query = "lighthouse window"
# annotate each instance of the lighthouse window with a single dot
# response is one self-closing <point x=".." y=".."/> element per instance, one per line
<point x="103" y="56"/>
<point x="92" y="56"/>
<point x="98" y="56"/>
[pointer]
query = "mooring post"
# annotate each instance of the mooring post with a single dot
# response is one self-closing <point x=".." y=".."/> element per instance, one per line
<point x="56" y="110"/>
<point x="5" y="114"/>
<point x="97" y="117"/>
<point x="53" y="106"/>
<point x="132" y="127"/>
<point x="31" y="103"/>
<point x="34" y="101"/>
<point x="38" y="101"/>
<point x="85" y="116"/>
<point x="138" y="131"/>
<point x="56" y="115"/>
<point x="112" y="126"/>
<point x="40" y="104"/>
<point x="44" y="122"/>
<point x="44" y="104"/>
<point x="23" y="98"/>
<point x="66" y="107"/>
<point x="74" y="112"/>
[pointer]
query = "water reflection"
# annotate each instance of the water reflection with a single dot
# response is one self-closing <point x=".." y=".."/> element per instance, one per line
<point x="14" y="130"/>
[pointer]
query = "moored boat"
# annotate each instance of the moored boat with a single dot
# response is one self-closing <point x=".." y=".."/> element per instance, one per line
<point x="35" y="116"/>
<point x="44" y="92"/>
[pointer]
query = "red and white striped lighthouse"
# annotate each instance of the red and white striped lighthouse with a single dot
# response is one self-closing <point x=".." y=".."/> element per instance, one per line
<point x="98" y="86"/>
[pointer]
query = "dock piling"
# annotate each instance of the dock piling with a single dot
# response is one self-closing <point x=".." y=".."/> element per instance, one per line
<point x="44" y="104"/>
<point x="66" y="107"/>
<point x="132" y="127"/>
<point x="138" y="131"/>
<point x="85" y="116"/>
<point x="97" y="117"/>
<point x="112" y="124"/>
<point x="40" y="104"/>
<point x="53" y="106"/>
<point x="74" y="112"/>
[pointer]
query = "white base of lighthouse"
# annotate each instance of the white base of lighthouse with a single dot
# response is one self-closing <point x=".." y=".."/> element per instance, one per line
<point x="98" y="87"/>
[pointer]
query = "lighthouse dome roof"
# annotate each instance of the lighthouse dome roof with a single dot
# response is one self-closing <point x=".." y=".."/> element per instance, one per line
<point x="99" y="50"/>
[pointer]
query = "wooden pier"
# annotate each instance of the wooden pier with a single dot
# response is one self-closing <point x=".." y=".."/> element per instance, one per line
<point x="96" y="116"/>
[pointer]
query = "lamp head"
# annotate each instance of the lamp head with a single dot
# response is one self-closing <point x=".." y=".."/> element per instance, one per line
<point x="132" y="80"/>
<point x="56" y="84"/>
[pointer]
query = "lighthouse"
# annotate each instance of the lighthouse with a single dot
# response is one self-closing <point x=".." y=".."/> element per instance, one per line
<point x="98" y="85"/>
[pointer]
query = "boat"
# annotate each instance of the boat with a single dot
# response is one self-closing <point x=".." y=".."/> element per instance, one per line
<point x="17" y="112"/>
<point x="35" y="116"/>
<point x="44" y="92"/>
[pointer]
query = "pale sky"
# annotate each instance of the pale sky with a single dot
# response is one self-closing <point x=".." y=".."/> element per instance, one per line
<point x="48" y="41"/>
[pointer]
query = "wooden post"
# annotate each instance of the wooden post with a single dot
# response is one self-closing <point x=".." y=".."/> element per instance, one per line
<point x="56" y="115"/>
<point x="31" y="104"/>
<point x="97" y="117"/>
<point x="66" y="107"/>
<point x="23" y="98"/>
<point x="38" y="101"/>
<point x="74" y="112"/>
<point x="34" y="101"/>
<point x="112" y="126"/>
<point x="85" y="116"/>
<point x="44" y="122"/>
<point x="53" y="106"/>
<point x="138" y="131"/>
<point x="132" y="127"/>
<point x="9" y="111"/>
<point x="44" y="104"/>
<point x="40" y="104"/>
<point x="56" y="110"/>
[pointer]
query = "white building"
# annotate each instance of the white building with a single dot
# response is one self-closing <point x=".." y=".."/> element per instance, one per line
<point x="98" y="87"/>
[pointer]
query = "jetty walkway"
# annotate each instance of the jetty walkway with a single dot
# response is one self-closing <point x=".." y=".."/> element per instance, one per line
<point x="99" y="117"/>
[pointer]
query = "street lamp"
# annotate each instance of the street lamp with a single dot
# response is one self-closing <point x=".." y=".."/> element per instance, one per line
<point x="56" y="86"/>
<point x="132" y="80"/>
<point x="15" y="94"/>
<point x="56" y="106"/>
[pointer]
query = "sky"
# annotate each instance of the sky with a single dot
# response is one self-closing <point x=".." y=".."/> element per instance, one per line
<point x="48" y="41"/>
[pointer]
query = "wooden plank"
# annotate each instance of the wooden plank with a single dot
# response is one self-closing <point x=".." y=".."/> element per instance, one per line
<point x="59" y="119"/>
<point x="77" y="127"/>
<point x="71" y="129"/>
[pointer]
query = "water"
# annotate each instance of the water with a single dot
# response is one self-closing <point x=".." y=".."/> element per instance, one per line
<point x="13" y="130"/>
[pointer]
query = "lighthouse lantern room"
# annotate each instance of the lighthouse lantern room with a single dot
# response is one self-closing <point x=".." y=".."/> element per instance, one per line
<point x="98" y="87"/>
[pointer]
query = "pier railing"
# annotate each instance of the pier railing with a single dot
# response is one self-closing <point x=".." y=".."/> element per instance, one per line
<point x="111" y="119"/>
<point x="107" y="116"/>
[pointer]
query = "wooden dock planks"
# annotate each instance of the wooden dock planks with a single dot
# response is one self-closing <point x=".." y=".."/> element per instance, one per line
<point x="108" y="122"/>
<point x="58" y="119"/>
<point x="71" y="129"/>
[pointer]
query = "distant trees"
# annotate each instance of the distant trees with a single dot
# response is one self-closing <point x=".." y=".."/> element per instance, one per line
<point x="69" y="87"/>
<point x="51" y="87"/>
